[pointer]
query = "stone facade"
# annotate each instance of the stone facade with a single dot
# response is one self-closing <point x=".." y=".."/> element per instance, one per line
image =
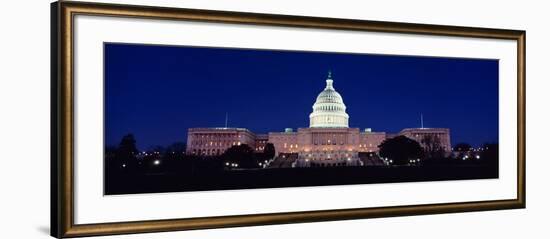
<point x="369" y="141"/>
<point x="442" y="135"/>
<point x="214" y="141"/>
<point x="328" y="141"/>
<point x="260" y="142"/>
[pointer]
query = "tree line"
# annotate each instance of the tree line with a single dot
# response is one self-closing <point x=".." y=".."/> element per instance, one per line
<point x="125" y="157"/>
<point x="402" y="150"/>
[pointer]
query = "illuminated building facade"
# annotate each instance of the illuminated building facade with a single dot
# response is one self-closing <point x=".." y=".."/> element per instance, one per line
<point x="440" y="135"/>
<point x="214" y="141"/>
<point x="328" y="141"/>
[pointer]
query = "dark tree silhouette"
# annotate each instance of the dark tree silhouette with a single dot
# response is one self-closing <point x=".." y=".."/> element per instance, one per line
<point x="158" y="148"/>
<point x="175" y="151"/>
<point x="269" y="151"/>
<point x="462" y="147"/>
<point x="400" y="149"/>
<point x="123" y="157"/>
<point x="177" y="147"/>
<point x="110" y="152"/>
<point x="127" y="148"/>
<point x="432" y="147"/>
<point x="242" y="155"/>
<point x="463" y="150"/>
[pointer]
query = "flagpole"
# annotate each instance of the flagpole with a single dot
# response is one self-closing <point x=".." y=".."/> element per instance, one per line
<point x="225" y="119"/>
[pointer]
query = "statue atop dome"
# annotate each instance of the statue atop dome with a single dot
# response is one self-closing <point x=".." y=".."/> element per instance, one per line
<point x="329" y="81"/>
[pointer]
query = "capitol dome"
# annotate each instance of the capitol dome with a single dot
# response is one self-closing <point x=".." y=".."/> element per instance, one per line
<point x="329" y="110"/>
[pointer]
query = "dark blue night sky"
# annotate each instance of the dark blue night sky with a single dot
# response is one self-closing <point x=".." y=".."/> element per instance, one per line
<point x="157" y="92"/>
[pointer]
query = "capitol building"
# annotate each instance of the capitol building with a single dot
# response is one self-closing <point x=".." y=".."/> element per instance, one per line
<point x="328" y="141"/>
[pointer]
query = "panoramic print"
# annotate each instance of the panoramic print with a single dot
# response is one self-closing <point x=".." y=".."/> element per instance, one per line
<point x="188" y="118"/>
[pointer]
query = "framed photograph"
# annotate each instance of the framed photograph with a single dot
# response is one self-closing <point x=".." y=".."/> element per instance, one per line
<point x="170" y="119"/>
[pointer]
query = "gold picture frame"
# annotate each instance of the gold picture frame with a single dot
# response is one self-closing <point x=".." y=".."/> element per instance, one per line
<point x="62" y="128"/>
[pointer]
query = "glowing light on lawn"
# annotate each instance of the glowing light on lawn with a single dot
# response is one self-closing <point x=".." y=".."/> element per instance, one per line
<point x="157" y="162"/>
